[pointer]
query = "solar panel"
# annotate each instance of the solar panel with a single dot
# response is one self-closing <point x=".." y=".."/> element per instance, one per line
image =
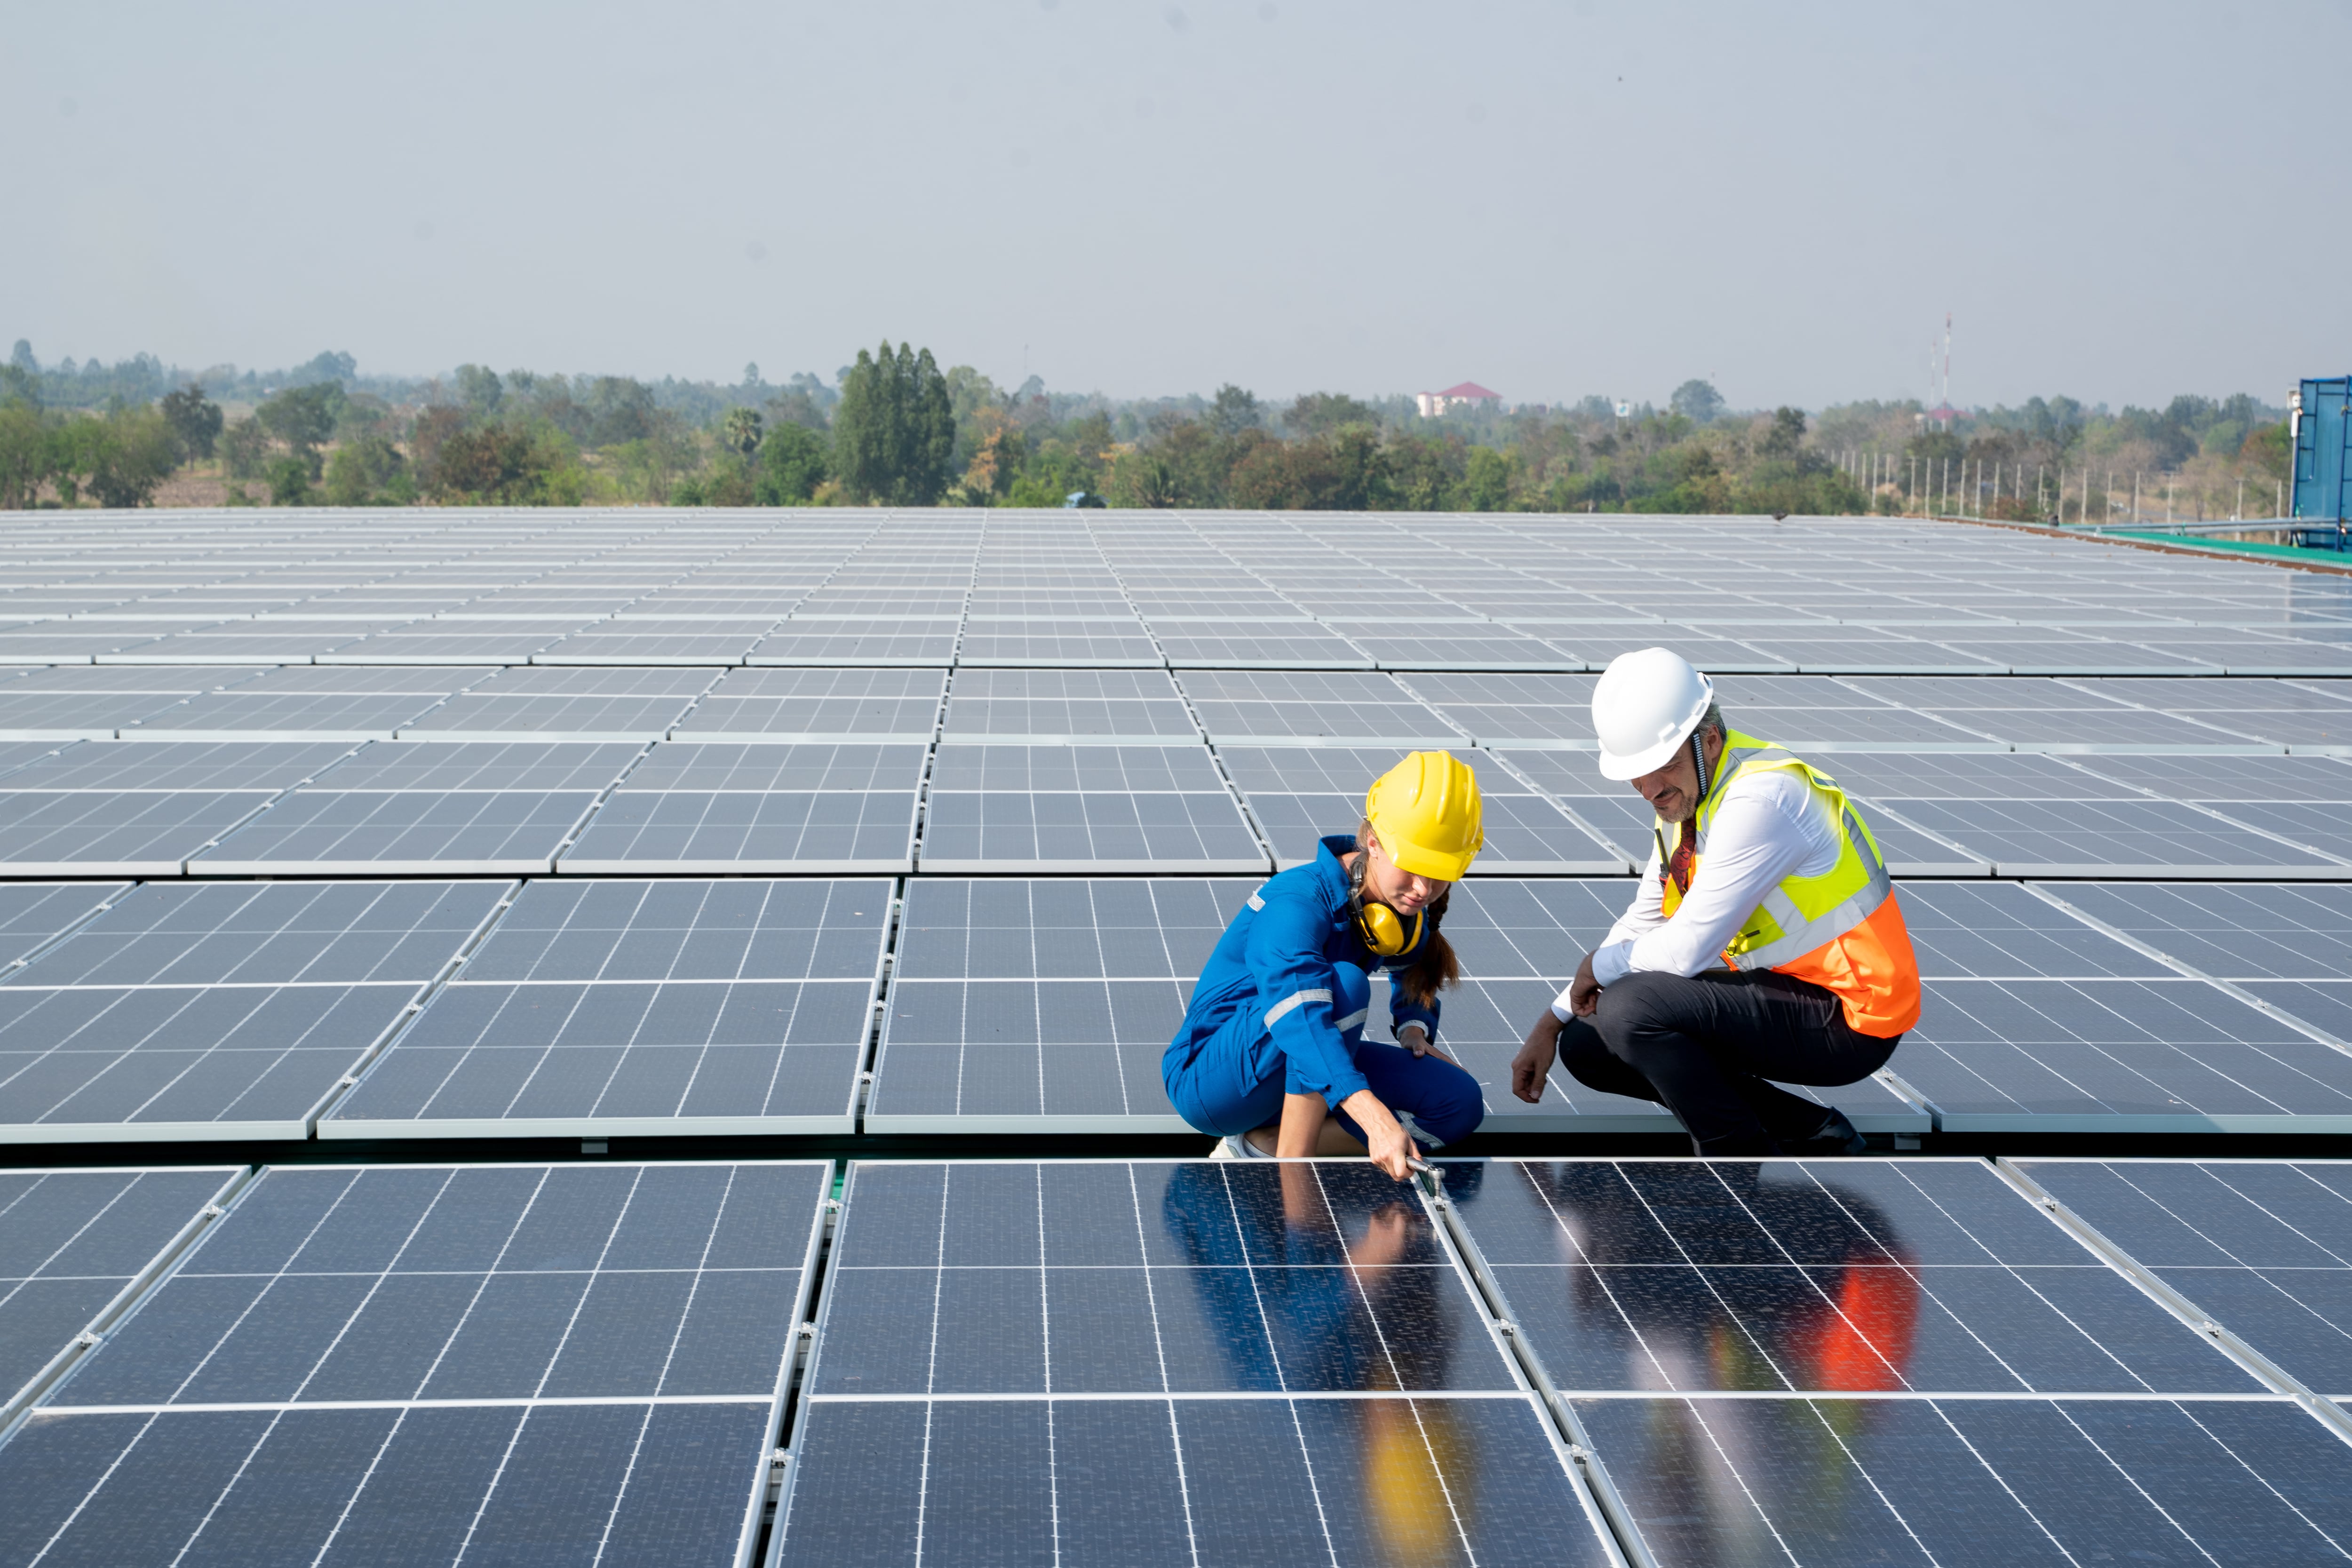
<point x="1404" y="641"/>
<point x="607" y="1009"/>
<point x="1099" y="808"/>
<point x="172" y="766"/>
<point x="1829" y="1358"/>
<point x="76" y="1248"/>
<point x="721" y="808"/>
<point x="1226" y="642"/>
<point x="1300" y="794"/>
<point x="1055" y="707"/>
<point x="456" y="639"/>
<point x="585" y="704"/>
<point x="1512" y="709"/>
<point x="787" y="705"/>
<point x="661" y="640"/>
<point x="1041" y="1006"/>
<point x="2104" y="837"/>
<point x="362" y="832"/>
<point x="1014" y="641"/>
<point x="806" y="639"/>
<point x="442" y="1363"/>
<point x="2291" y="931"/>
<point x="1163" y="1363"/>
<point x="34" y="914"/>
<point x="1337" y="709"/>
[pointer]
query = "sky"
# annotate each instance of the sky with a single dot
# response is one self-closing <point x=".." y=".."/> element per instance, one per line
<point x="1150" y="197"/>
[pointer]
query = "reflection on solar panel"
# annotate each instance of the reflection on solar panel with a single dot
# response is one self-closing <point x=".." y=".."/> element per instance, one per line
<point x="1164" y="1364"/>
<point x="433" y="1363"/>
<point x="1301" y="794"/>
<point x="716" y="808"/>
<point x="1820" y="1357"/>
<point x="1041" y="1005"/>
<point x="1084" y="808"/>
<point x="601" y="1008"/>
<point x="75" y="1249"/>
<point x="210" y="1012"/>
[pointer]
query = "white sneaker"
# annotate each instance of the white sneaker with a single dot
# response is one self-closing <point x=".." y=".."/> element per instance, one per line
<point x="1239" y="1147"/>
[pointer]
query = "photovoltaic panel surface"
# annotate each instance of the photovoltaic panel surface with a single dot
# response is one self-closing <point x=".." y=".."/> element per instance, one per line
<point x="75" y="1247"/>
<point x="1309" y="707"/>
<point x="2262" y="1247"/>
<point x="438" y="1364"/>
<point x="787" y="705"/>
<point x="600" y="1008"/>
<point x="219" y="1012"/>
<point x="1042" y="1005"/>
<point x="1787" y="1361"/>
<point x="716" y="807"/>
<point x="1055" y="707"/>
<point x="1099" y="808"/>
<point x="1153" y="1362"/>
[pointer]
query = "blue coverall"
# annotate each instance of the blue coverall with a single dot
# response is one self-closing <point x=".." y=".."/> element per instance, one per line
<point x="1280" y="1008"/>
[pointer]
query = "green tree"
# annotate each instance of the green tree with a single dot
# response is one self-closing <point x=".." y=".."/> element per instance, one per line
<point x="289" y="479"/>
<point x="133" y="452"/>
<point x="1697" y="401"/>
<point x="1320" y="413"/>
<point x="1784" y="436"/>
<point x="304" y="419"/>
<point x="792" y="463"/>
<point x="27" y="455"/>
<point x="244" y="448"/>
<point x="368" y="471"/>
<point x="195" y="419"/>
<point x="740" y="431"/>
<point x="894" y="433"/>
<point x="1486" y="480"/>
<point x="479" y="391"/>
<point x="1234" y="411"/>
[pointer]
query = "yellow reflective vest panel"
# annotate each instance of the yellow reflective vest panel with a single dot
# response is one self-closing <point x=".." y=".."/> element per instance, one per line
<point x="1842" y="930"/>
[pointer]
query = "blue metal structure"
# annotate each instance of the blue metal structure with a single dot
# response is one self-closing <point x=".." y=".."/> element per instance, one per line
<point x="2323" y="442"/>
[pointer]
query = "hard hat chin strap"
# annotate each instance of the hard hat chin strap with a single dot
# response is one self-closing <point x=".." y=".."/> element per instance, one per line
<point x="1698" y="756"/>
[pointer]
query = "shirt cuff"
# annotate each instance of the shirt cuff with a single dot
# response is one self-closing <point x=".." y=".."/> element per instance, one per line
<point x="1560" y="1009"/>
<point x="1612" y="963"/>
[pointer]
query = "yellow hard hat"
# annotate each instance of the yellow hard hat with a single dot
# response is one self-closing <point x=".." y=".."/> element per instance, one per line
<point x="1425" y="810"/>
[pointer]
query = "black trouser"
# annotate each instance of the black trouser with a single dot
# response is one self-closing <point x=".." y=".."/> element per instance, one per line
<point x="1704" y="1046"/>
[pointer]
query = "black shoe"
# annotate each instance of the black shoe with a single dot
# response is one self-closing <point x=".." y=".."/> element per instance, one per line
<point x="1836" y="1136"/>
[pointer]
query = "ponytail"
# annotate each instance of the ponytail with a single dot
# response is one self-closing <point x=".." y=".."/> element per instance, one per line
<point x="1436" y="967"/>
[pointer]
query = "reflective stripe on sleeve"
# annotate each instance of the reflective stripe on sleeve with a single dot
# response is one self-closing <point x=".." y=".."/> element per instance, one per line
<point x="1353" y="1019"/>
<point x="1255" y="902"/>
<point x="1283" y="1008"/>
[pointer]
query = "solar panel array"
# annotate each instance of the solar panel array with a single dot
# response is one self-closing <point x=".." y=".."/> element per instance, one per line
<point x="593" y="826"/>
<point x="981" y="702"/>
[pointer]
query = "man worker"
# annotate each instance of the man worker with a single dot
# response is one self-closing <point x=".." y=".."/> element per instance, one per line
<point x="1765" y="941"/>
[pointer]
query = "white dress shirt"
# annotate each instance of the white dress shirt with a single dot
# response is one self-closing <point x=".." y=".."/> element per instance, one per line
<point x="1771" y="824"/>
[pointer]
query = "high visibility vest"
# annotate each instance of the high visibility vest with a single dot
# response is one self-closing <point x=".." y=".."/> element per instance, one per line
<point x="1842" y="930"/>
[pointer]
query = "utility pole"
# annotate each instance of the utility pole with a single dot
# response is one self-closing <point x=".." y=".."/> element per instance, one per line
<point x="1944" y="509"/>
<point x="2135" y="511"/>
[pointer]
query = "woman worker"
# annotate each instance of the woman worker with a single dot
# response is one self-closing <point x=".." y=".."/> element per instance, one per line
<point x="1272" y="1056"/>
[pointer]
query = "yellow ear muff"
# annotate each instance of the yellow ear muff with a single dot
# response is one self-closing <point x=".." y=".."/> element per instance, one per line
<point x="1382" y="931"/>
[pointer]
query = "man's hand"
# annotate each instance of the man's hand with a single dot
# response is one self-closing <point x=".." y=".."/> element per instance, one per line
<point x="1532" y="1066"/>
<point x="1583" y="992"/>
<point x="1415" y="1038"/>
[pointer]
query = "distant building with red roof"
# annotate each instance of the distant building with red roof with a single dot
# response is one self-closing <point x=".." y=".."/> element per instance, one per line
<point x="1469" y="394"/>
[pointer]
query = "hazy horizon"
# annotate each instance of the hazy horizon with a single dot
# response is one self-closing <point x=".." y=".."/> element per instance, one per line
<point x="1150" y="199"/>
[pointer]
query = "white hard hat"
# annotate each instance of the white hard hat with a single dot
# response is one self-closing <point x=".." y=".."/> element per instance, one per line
<point x="1646" y="703"/>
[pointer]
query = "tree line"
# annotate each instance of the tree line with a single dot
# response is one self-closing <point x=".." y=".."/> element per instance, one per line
<point x="896" y="428"/>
